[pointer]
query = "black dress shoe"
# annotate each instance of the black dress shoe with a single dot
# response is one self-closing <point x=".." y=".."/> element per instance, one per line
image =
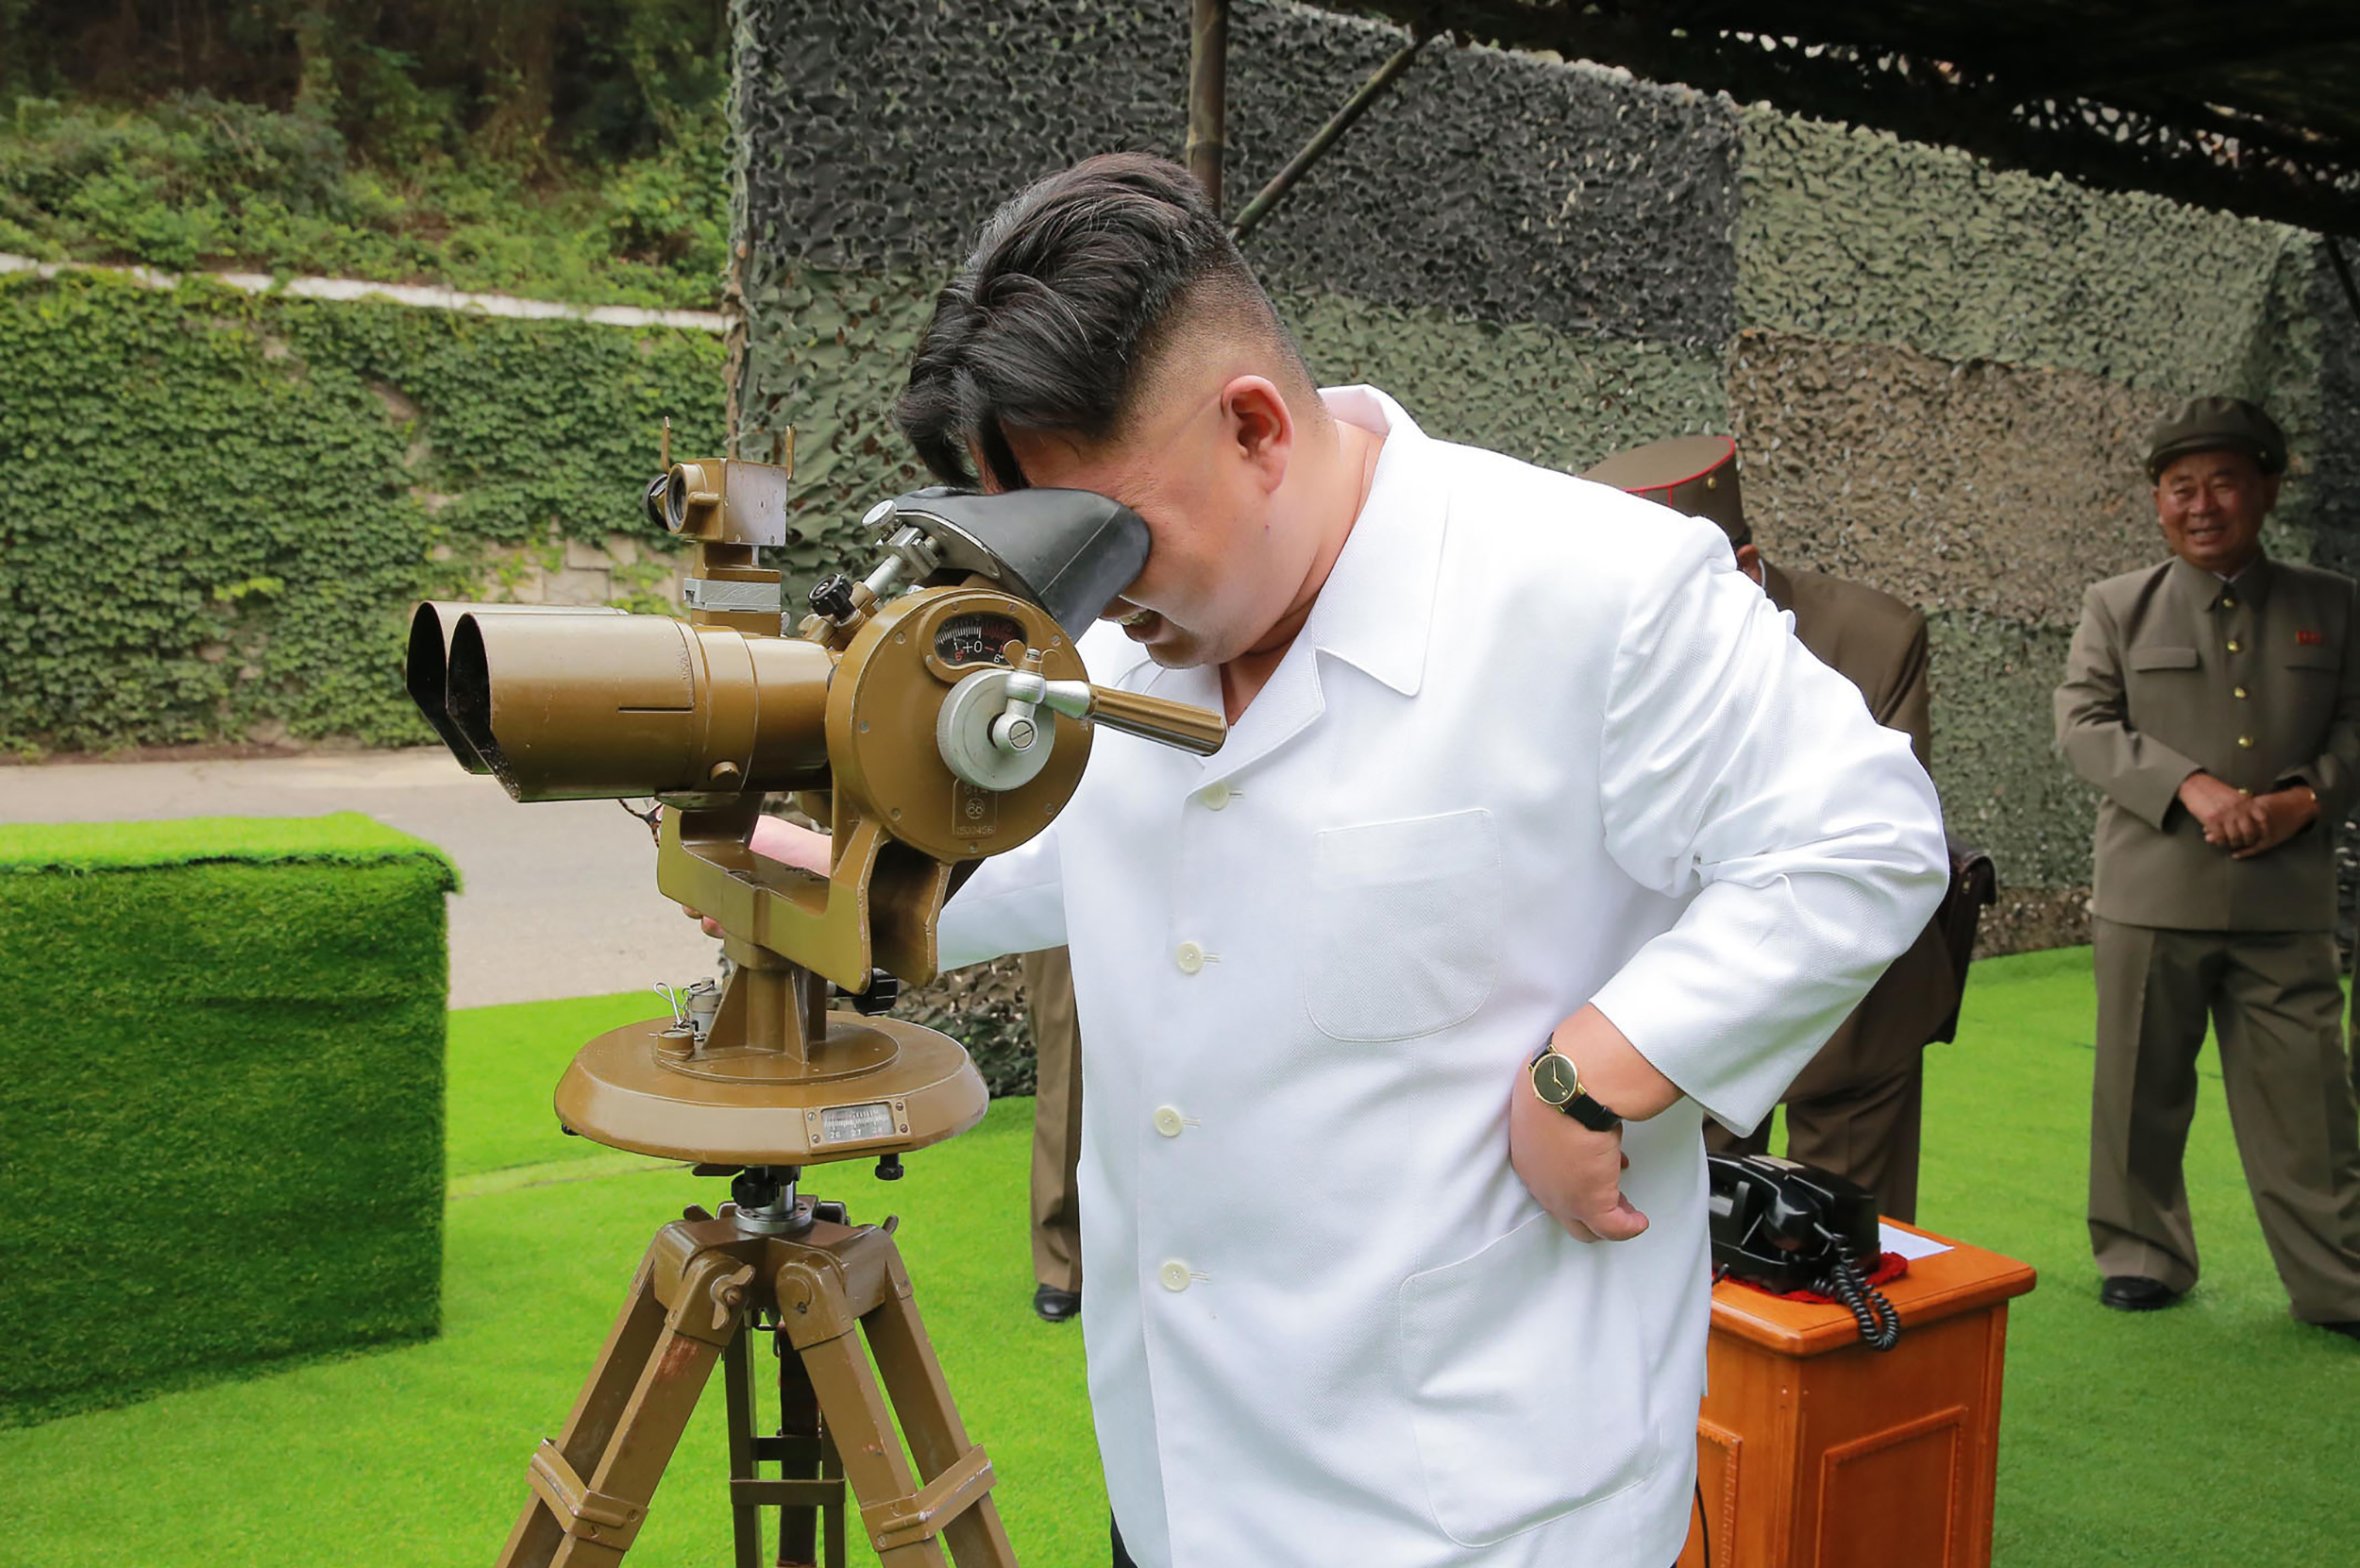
<point x="1055" y="1305"/>
<point x="2349" y="1329"/>
<point x="2135" y="1293"/>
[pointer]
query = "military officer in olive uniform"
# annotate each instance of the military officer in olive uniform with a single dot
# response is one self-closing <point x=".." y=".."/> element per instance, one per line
<point x="2216" y="701"/>
<point x="1057" y="1134"/>
<point x="1855" y="1109"/>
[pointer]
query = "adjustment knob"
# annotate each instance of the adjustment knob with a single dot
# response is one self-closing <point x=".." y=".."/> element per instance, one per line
<point x="883" y="992"/>
<point x="832" y="597"/>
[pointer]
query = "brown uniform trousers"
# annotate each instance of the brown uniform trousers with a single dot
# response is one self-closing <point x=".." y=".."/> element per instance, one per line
<point x="1855" y="1109"/>
<point x="2257" y="682"/>
<point x="1057" y="1121"/>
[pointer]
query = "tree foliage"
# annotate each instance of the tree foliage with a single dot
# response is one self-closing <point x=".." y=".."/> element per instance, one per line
<point x="400" y="79"/>
<point x="570" y="150"/>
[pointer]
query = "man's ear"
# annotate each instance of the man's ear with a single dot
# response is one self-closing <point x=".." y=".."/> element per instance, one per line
<point x="1749" y="562"/>
<point x="1256" y="418"/>
<point x="2269" y="494"/>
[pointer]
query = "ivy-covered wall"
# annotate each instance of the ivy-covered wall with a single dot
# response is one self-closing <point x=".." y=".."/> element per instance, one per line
<point x="216" y="508"/>
<point x="1939" y="374"/>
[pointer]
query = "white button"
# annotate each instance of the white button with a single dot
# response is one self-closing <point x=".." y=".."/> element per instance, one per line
<point x="1168" y="1121"/>
<point x="1174" y="1275"/>
<point x="1215" y="796"/>
<point x="1189" y="957"/>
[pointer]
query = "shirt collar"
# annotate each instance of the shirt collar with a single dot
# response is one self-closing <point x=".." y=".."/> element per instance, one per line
<point x="2252" y="585"/>
<point x="1377" y="609"/>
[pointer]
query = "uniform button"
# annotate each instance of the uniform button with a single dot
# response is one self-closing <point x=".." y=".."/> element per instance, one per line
<point x="1168" y="1121"/>
<point x="1174" y="1275"/>
<point x="2245" y="741"/>
<point x="2233" y="646"/>
<point x="2227" y="602"/>
<point x="2237" y="691"/>
<point x="1189" y="957"/>
<point x="1215" y="796"/>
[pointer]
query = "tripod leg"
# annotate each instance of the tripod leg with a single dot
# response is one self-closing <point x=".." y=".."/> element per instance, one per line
<point x="591" y="1488"/>
<point x="826" y="1292"/>
<point x="930" y="1420"/>
<point x="737" y="1379"/>
<point x="804" y="1453"/>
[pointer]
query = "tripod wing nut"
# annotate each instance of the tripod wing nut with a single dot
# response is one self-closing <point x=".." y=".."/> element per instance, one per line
<point x="729" y="1295"/>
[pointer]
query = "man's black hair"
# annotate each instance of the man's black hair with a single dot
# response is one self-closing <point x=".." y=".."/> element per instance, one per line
<point x="1072" y="293"/>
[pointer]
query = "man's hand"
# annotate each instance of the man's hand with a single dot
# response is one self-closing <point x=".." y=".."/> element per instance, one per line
<point x="2278" y="816"/>
<point x="775" y="839"/>
<point x="2219" y="808"/>
<point x="1572" y="1172"/>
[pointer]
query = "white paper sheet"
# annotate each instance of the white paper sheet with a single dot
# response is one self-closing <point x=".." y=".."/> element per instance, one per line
<point x="1908" y="1242"/>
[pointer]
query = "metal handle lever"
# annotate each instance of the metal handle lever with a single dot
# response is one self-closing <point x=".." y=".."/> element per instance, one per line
<point x="1158" y="718"/>
<point x="990" y="731"/>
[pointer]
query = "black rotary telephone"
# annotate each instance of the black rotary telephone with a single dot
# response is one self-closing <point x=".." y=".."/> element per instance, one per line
<point x="1786" y="1226"/>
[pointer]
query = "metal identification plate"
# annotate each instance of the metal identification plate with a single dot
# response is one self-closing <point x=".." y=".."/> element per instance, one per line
<point x="866" y="1123"/>
<point x="708" y="593"/>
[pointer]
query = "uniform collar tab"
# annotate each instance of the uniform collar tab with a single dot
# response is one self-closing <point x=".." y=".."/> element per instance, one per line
<point x="2251" y="585"/>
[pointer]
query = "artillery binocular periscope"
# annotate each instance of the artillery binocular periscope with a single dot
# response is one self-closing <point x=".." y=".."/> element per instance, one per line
<point x="930" y="713"/>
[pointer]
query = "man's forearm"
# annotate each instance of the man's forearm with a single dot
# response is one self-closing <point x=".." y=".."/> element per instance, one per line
<point x="2139" y="773"/>
<point x="775" y="839"/>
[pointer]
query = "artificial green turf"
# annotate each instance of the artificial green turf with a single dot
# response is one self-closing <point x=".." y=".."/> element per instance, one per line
<point x="2219" y="1431"/>
<point x="418" y="1456"/>
<point x="221" y="1128"/>
<point x="2216" y="1433"/>
<point x="343" y="838"/>
<point x="504" y="1067"/>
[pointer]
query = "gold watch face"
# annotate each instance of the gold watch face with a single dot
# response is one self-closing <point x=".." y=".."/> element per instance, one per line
<point x="1554" y="1079"/>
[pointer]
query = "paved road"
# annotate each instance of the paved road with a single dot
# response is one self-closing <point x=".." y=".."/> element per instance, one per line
<point x="558" y="899"/>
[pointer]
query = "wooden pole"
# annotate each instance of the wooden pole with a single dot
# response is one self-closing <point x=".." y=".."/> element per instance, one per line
<point x="1208" y="92"/>
<point x="1313" y="150"/>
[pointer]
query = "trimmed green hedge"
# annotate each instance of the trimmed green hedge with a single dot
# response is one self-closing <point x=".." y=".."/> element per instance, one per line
<point x="221" y="1100"/>
<point x="216" y="508"/>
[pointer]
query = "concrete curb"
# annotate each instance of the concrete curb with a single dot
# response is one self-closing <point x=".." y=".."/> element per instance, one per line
<point x="419" y="295"/>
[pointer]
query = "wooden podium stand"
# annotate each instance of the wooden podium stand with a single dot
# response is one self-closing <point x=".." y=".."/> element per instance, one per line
<point x="1814" y="1451"/>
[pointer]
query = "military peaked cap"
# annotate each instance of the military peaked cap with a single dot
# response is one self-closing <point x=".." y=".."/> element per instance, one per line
<point x="2217" y="424"/>
<point x="1696" y="473"/>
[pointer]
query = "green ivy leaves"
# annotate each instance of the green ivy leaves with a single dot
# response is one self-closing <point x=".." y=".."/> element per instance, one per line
<point x="215" y="509"/>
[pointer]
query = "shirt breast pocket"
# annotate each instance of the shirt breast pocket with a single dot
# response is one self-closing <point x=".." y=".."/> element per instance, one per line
<point x="2315" y="658"/>
<point x="2311" y="685"/>
<point x="2152" y="661"/>
<point x="1403" y="925"/>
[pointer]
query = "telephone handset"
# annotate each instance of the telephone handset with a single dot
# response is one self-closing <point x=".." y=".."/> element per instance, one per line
<point x="1787" y="1227"/>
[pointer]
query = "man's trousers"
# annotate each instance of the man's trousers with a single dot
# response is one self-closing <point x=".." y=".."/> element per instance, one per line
<point x="1056" y="1119"/>
<point x="1866" y="1133"/>
<point x="2277" y="1011"/>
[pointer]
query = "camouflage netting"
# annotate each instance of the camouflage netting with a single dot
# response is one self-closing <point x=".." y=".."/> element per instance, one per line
<point x="1940" y="372"/>
<point x="1484" y="184"/>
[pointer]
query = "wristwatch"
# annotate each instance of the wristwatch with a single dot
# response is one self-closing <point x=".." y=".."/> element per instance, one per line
<point x="1557" y="1082"/>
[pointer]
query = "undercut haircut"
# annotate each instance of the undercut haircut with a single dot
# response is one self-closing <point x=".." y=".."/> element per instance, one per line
<point x="1074" y="293"/>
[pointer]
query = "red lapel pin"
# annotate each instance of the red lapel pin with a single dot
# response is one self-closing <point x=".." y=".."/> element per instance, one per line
<point x="2309" y="639"/>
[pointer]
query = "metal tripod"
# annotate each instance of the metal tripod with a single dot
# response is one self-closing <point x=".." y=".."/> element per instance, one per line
<point x="769" y="1262"/>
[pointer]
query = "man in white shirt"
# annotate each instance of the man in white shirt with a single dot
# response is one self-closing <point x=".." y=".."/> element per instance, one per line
<point x="1514" y="760"/>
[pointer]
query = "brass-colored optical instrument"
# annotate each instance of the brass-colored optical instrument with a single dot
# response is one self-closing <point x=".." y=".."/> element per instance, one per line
<point x="931" y="714"/>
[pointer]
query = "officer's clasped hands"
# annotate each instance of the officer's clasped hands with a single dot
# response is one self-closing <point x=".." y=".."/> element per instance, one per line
<point x="2246" y="825"/>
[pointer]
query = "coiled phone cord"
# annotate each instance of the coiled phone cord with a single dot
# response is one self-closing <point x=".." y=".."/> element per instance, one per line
<point x="1880" y="1324"/>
